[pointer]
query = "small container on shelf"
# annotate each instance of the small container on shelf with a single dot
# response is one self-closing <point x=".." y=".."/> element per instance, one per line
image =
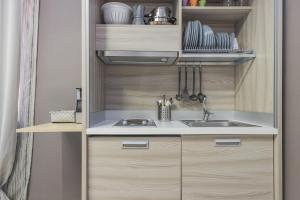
<point x="193" y="3"/>
<point x="117" y="13"/>
<point x="228" y="2"/>
<point x="62" y="116"/>
<point x="185" y="2"/>
<point x="241" y="2"/>
<point x="202" y="3"/>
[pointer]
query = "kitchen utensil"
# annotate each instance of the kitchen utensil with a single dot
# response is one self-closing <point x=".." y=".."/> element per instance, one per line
<point x="78" y="114"/>
<point x="164" y="107"/>
<point x="193" y="3"/>
<point x="138" y="14"/>
<point x="161" y="14"/>
<point x="200" y="94"/>
<point x="185" y="92"/>
<point x="194" y="97"/>
<point x="117" y="13"/>
<point x="179" y="95"/>
<point x="185" y="2"/>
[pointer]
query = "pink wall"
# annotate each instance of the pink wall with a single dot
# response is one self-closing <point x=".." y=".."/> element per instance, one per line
<point x="292" y="99"/>
<point x="56" y="166"/>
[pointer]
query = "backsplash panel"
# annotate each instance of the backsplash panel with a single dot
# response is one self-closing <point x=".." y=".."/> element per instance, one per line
<point x="138" y="87"/>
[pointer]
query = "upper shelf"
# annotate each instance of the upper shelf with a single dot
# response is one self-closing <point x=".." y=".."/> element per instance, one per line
<point x="52" y="128"/>
<point x="212" y="13"/>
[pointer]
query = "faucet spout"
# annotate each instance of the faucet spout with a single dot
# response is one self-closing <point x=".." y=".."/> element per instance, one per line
<point x="206" y="113"/>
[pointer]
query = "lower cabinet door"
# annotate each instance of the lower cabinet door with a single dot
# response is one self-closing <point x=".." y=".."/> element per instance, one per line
<point x="134" y="168"/>
<point x="227" y="168"/>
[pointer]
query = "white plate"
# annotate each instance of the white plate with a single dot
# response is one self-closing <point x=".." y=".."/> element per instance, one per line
<point x="192" y="41"/>
<point x="214" y="41"/>
<point x="196" y="28"/>
<point x="218" y="39"/>
<point x="211" y="35"/>
<point x="223" y="41"/>
<point x="232" y="37"/>
<point x="204" y="27"/>
<point x="189" y="34"/>
<point x="227" y="41"/>
<point x="200" y="35"/>
<point x="186" y="35"/>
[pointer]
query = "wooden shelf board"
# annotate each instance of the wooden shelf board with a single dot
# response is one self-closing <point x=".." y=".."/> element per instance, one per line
<point x="52" y="128"/>
<point x="212" y="13"/>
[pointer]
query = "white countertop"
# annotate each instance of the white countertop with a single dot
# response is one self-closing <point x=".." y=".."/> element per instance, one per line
<point x="176" y="128"/>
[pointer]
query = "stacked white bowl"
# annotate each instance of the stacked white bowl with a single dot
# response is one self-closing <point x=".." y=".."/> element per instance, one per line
<point x="117" y="13"/>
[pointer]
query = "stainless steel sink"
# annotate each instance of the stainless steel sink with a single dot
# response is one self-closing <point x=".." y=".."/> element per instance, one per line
<point x="215" y="123"/>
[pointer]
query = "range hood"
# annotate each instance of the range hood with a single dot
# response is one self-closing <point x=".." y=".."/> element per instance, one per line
<point x="138" y="57"/>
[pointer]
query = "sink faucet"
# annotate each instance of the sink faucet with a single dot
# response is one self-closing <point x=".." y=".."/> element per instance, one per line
<point x="203" y="100"/>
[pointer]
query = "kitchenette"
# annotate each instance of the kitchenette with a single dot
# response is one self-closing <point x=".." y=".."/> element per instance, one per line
<point x="181" y="100"/>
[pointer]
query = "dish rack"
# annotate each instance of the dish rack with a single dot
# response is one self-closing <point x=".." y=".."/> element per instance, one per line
<point x="203" y="46"/>
<point x="200" y="50"/>
<point x="233" y="58"/>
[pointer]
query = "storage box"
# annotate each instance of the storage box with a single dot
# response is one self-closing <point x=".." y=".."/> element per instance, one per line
<point x="62" y="116"/>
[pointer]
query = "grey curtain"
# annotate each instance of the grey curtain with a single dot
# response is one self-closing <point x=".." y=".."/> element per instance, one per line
<point x="9" y="75"/>
<point x="16" y="186"/>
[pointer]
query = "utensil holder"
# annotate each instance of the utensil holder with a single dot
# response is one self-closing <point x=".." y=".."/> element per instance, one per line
<point x="164" y="113"/>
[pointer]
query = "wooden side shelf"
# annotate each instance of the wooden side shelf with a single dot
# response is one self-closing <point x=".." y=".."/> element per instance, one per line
<point x="234" y="13"/>
<point x="52" y="128"/>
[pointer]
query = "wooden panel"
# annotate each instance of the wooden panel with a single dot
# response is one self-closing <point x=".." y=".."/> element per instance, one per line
<point x="255" y="80"/>
<point x="229" y="173"/>
<point x="278" y="149"/>
<point x="52" y="128"/>
<point x="138" y="87"/>
<point x="232" y="14"/>
<point x="138" y="37"/>
<point x="96" y="72"/>
<point x="134" y="174"/>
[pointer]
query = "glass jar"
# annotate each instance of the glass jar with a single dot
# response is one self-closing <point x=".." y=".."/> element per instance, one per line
<point x="228" y="2"/>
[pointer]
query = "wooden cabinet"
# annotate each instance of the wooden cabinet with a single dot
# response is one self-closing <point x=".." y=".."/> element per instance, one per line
<point x="227" y="168"/>
<point x="134" y="168"/>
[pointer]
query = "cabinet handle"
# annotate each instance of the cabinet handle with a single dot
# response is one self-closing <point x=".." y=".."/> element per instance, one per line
<point x="230" y="142"/>
<point x="135" y="144"/>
